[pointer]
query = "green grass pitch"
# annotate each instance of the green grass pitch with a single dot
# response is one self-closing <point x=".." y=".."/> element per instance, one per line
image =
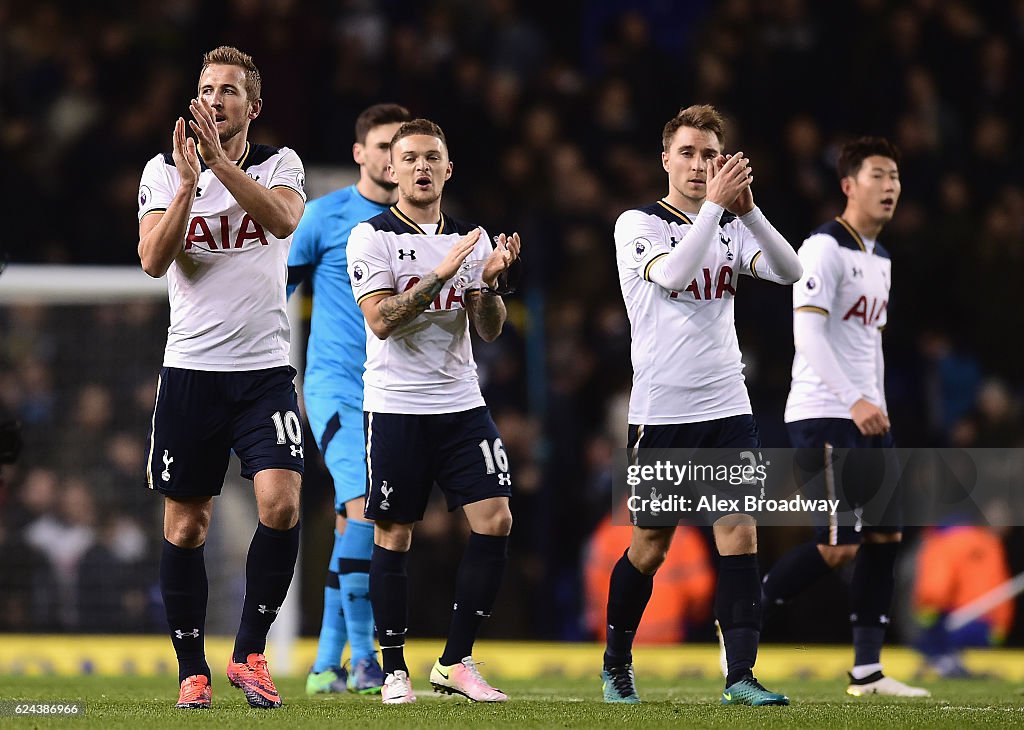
<point x="135" y="702"/>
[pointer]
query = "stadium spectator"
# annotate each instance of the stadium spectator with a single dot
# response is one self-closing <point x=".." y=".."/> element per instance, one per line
<point x="956" y="565"/>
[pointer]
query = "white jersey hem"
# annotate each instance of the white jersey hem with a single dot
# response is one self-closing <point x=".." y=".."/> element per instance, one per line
<point x="693" y="418"/>
<point x="806" y="413"/>
<point x="225" y="367"/>
<point x="378" y="402"/>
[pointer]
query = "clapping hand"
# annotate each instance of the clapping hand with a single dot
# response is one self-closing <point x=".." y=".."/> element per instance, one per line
<point x="457" y="254"/>
<point x="728" y="181"/>
<point x="205" y="128"/>
<point x="186" y="160"/>
<point x="503" y="255"/>
<point x="744" y="202"/>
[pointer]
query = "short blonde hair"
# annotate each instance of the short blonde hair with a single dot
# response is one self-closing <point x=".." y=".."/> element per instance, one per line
<point x="419" y="126"/>
<point x="231" y="56"/>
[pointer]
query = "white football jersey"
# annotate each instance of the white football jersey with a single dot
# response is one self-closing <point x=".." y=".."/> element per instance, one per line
<point x="427" y="365"/>
<point x="227" y="287"/>
<point x="686" y="358"/>
<point x="846" y="279"/>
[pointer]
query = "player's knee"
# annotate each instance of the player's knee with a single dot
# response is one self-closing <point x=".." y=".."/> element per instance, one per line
<point x="648" y="548"/>
<point x="649" y="558"/>
<point x="838" y="555"/>
<point x="652" y="560"/>
<point x="279" y="515"/>
<point x="187" y="534"/>
<point x="736" y="539"/>
<point x="500" y="523"/>
<point x="395" y="536"/>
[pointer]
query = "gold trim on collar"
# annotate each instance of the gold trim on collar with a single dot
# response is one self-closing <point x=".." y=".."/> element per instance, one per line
<point x="245" y="154"/>
<point x="414" y="225"/>
<point x="675" y="211"/>
<point x="850" y="229"/>
<point x="406" y="219"/>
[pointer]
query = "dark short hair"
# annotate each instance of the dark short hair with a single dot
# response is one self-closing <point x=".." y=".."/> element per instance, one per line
<point x="231" y="56"/>
<point x="854" y="152"/>
<point x="419" y="126"/>
<point x="378" y="115"/>
<point x="699" y="116"/>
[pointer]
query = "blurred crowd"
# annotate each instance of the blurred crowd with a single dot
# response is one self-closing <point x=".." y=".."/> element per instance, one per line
<point x="553" y="113"/>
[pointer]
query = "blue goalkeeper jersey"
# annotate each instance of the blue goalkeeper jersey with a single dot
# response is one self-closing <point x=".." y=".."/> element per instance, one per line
<point x="336" y="353"/>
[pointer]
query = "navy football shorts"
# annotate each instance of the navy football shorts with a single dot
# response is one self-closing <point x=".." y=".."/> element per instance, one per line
<point x="732" y="432"/>
<point x="408" y="453"/>
<point x="201" y="416"/>
<point x="855" y="482"/>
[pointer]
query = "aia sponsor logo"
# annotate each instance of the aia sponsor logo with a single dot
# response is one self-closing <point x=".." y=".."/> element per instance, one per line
<point x="867" y="312"/>
<point x="215" y="233"/>
<point x="446" y="299"/>
<point x="710" y="286"/>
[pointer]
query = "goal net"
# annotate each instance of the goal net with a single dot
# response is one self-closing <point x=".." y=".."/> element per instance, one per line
<point x="80" y="534"/>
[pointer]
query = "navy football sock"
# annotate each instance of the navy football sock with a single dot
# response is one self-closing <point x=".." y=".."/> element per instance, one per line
<point x="629" y="590"/>
<point x="738" y="610"/>
<point x="794" y="572"/>
<point x="476" y="587"/>
<point x="871" y="595"/>
<point x="184" y="587"/>
<point x="268" y="573"/>
<point x="389" y="594"/>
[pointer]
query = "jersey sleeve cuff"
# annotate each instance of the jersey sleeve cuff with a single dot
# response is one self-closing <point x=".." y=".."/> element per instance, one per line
<point x="375" y="292"/>
<point x="850" y="397"/>
<point x="710" y="209"/>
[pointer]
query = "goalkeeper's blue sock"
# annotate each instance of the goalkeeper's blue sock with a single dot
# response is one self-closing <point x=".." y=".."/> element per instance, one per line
<point x="354" y="574"/>
<point x="333" y="630"/>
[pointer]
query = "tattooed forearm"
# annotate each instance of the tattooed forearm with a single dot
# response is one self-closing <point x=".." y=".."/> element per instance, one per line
<point x="403" y="308"/>
<point x="488" y="315"/>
